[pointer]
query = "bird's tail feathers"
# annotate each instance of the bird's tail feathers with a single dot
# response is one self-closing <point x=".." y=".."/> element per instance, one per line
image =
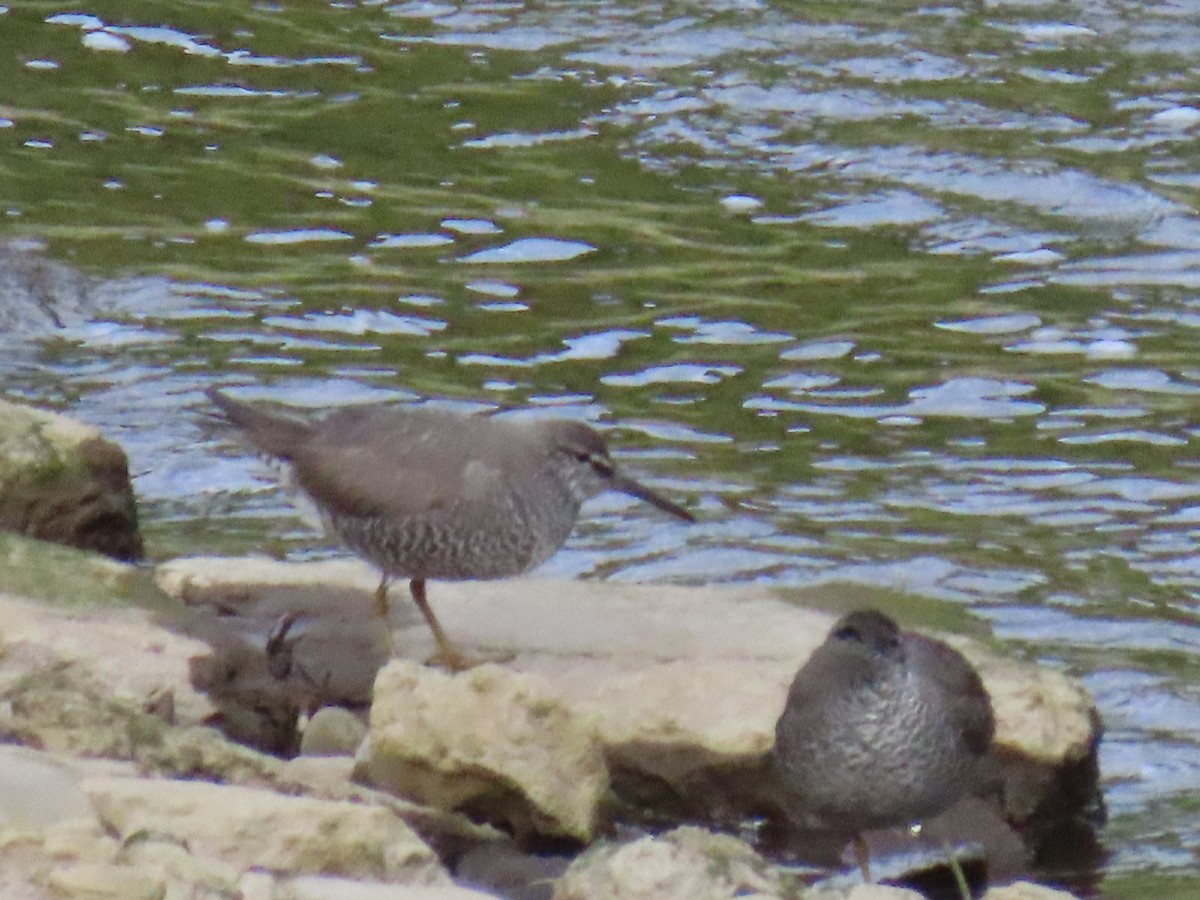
<point x="274" y="431"/>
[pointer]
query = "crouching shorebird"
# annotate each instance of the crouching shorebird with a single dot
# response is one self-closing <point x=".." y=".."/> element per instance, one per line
<point x="429" y="494"/>
<point x="882" y="728"/>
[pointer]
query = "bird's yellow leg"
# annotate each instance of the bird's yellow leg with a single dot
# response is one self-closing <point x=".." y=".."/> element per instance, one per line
<point x="384" y="612"/>
<point x="862" y="854"/>
<point x="447" y="654"/>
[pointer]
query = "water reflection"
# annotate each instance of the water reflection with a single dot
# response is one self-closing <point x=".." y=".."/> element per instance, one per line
<point x="530" y="250"/>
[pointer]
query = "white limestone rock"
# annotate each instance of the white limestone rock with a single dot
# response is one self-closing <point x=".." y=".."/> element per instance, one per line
<point x="250" y="828"/>
<point x="684" y="864"/>
<point x="490" y="741"/>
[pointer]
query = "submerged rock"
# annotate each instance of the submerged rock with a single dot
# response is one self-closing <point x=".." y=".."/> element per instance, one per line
<point x="38" y="294"/>
<point x="61" y="481"/>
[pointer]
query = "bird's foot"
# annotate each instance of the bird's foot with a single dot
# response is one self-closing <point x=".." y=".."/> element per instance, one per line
<point x="453" y="661"/>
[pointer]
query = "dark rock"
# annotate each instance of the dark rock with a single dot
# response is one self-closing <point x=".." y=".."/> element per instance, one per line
<point x="60" y="481"/>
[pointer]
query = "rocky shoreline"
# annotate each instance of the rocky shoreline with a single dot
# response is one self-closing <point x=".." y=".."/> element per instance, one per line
<point x="622" y="712"/>
<point x="163" y="736"/>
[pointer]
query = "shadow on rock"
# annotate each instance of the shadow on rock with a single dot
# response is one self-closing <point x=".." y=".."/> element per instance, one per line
<point x="271" y="672"/>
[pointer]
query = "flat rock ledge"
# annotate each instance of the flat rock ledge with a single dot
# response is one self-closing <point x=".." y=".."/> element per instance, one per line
<point x="682" y="686"/>
<point x="664" y="696"/>
<point x="61" y="481"/>
<point x="102" y="830"/>
<point x="250" y="828"/>
<point x="113" y="785"/>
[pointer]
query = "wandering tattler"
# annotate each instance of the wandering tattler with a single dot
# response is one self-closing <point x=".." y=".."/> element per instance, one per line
<point x="431" y="494"/>
<point x="882" y="728"/>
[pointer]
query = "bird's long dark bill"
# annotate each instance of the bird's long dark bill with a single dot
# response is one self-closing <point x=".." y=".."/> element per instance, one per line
<point x="635" y="489"/>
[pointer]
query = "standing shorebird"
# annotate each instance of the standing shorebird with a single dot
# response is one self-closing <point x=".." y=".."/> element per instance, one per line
<point x="429" y="494"/>
<point x="882" y="728"/>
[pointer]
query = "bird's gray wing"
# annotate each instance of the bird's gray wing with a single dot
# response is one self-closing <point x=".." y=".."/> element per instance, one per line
<point x="813" y="699"/>
<point x="397" y="464"/>
<point x="966" y="699"/>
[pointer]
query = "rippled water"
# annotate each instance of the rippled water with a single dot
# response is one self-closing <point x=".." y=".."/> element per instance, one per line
<point x="899" y="293"/>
